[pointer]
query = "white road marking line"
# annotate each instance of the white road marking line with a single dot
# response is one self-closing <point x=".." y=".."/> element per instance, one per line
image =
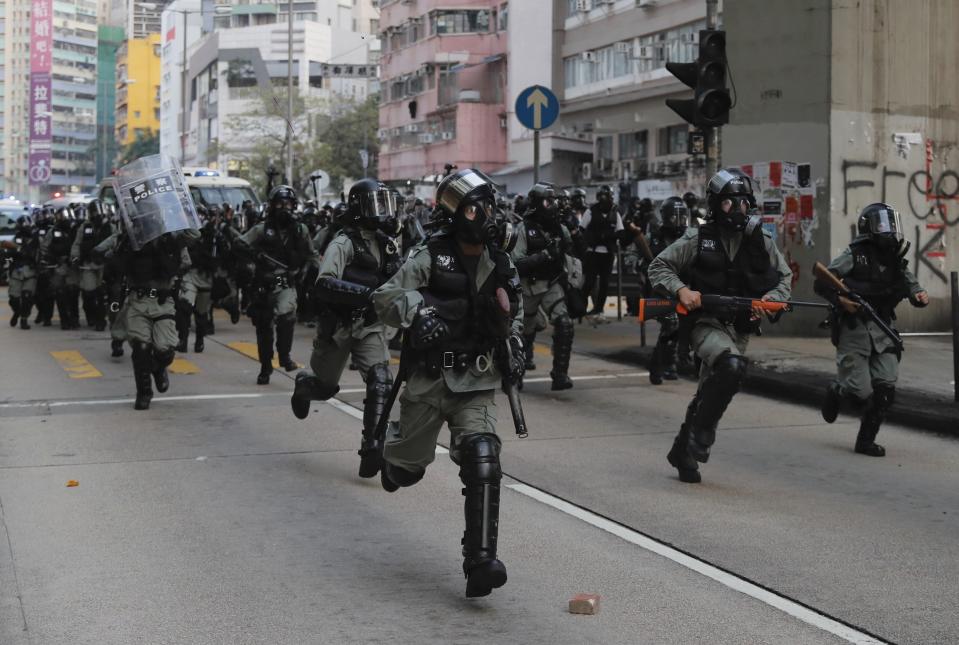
<point x="732" y="581"/>
<point x="593" y="377"/>
<point x="356" y="413"/>
<point x="160" y="399"/>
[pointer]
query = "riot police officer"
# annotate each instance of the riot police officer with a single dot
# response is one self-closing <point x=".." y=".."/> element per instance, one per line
<point x="65" y="279"/>
<point x="22" y="255"/>
<point x="194" y="297"/>
<point x="603" y="228"/>
<point x="665" y="229"/>
<point x="731" y="255"/>
<point x="540" y="256"/>
<point x="44" y="295"/>
<point x="359" y="259"/>
<point x="148" y="316"/>
<point x="281" y="247"/>
<point x="457" y="298"/>
<point x="875" y="267"/>
<point x="90" y="233"/>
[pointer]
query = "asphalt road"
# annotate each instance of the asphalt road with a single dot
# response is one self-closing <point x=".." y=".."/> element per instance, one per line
<point x="217" y="517"/>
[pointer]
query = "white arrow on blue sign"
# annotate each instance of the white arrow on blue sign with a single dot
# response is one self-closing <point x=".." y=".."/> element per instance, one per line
<point x="537" y="107"/>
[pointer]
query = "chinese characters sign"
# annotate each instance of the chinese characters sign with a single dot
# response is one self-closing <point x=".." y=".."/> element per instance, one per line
<point x="41" y="91"/>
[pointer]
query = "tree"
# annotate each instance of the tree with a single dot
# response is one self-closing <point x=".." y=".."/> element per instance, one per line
<point x="327" y="134"/>
<point x="142" y="146"/>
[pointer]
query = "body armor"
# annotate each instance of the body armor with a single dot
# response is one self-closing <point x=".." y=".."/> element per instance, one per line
<point x="882" y="284"/>
<point x="537" y="239"/>
<point x="750" y="274"/>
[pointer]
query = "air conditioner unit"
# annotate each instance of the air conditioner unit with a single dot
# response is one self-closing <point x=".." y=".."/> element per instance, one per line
<point x="624" y="169"/>
<point x="427" y="138"/>
<point x="645" y="52"/>
<point x="447" y="136"/>
<point x="646" y="4"/>
<point x="601" y="165"/>
<point x="623" y="47"/>
<point x="586" y="172"/>
<point x="412" y="128"/>
<point x="588" y="57"/>
<point x="582" y="5"/>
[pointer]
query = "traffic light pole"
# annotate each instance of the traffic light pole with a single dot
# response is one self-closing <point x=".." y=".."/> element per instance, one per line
<point x="714" y="155"/>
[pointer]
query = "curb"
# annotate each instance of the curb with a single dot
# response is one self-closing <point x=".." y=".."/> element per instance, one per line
<point x="913" y="408"/>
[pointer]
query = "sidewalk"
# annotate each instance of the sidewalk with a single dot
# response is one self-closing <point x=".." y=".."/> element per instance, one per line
<point x="798" y="369"/>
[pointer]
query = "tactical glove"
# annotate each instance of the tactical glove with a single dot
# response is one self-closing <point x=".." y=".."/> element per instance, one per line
<point x="428" y="329"/>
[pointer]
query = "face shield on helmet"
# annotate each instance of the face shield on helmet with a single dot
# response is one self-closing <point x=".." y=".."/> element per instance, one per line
<point x="674" y="215"/>
<point x="282" y="204"/>
<point x="469" y="196"/>
<point x="376" y="208"/>
<point x="730" y="198"/>
<point x="881" y="224"/>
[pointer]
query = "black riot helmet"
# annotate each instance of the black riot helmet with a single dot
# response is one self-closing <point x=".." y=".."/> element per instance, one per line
<point x="282" y="205"/>
<point x="690" y="199"/>
<point x="95" y="211"/>
<point x="541" y="201"/>
<point x="562" y="199"/>
<point x="468" y="197"/>
<point x="605" y="195"/>
<point x="729" y="198"/>
<point x="372" y="204"/>
<point x="578" y="199"/>
<point x="674" y="216"/>
<point x="880" y="223"/>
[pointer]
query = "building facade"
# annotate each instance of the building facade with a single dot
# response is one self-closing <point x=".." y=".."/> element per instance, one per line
<point x="68" y="114"/>
<point x="138" y="89"/>
<point x="443" y="88"/>
<point x="860" y="117"/>
<point x="109" y="39"/>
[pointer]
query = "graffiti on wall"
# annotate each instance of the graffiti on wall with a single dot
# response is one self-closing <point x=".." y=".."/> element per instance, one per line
<point x="928" y="199"/>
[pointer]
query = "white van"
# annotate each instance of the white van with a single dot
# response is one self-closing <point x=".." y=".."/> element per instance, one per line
<point x="207" y="187"/>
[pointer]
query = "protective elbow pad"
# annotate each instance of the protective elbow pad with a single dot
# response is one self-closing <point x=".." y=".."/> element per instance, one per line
<point x="341" y="292"/>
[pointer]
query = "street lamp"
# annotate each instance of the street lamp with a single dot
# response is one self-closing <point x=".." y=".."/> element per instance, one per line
<point x="219" y="10"/>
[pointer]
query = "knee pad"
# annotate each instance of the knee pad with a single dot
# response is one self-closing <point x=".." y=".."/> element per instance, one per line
<point x="479" y="460"/>
<point x="164" y="357"/>
<point x="731" y="368"/>
<point x="884" y="395"/>
<point x="563" y="327"/>
<point x="379" y="379"/>
<point x="402" y="477"/>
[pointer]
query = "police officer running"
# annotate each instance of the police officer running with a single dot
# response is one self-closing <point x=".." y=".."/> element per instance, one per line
<point x="731" y="255"/>
<point x="359" y="259"/>
<point x="90" y="233"/>
<point x="455" y="296"/>
<point x="603" y="226"/>
<point x="874" y="266"/>
<point x="22" y="255"/>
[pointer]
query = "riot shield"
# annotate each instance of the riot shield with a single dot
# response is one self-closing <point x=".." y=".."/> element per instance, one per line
<point x="154" y="199"/>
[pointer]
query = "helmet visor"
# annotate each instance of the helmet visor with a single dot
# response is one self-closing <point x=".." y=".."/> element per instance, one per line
<point x="886" y="222"/>
<point x="676" y="217"/>
<point x="377" y="204"/>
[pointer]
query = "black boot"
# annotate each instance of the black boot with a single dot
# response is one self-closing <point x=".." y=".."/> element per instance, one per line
<point x="714" y="394"/>
<point x="307" y="388"/>
<point x="73" y="301"/>
<point x="26" y="302"/>
<point x="162" y="360"/>
<point x="264" y="350"/>
<point x="874" y="413"/>
<point x="284" y="343"/>
<point x="89" y="308"/>
<point x="183" y="314"/>
<point x="679" y="457"/>
<point x="15" y="306"/>
<point x="480" y="474"/>
<point x="562" y="350"/>
<point x="116" y="348"/>
<point x="198" y="343"/>
<point x="529" y="341"/>
<point x="100" y="309"/>
<point x="379" y="382"/>
<point x="669" y="359"/>
<point x="831" y="402"/>
<point x="142" y="366"/>
<point x="655" y="366"/>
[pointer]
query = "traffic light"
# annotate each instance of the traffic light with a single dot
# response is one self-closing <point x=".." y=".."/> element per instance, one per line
<point x="710" y="104"/>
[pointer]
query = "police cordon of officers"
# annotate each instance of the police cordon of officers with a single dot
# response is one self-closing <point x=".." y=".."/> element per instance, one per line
<point x="458" y="300"/>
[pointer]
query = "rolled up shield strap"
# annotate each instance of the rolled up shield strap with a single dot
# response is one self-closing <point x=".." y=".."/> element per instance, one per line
<point x="341" y="292"/>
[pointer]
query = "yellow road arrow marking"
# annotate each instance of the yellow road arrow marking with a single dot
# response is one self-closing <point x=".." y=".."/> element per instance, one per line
<point x="249" y="349"/>
<point x="74" y="364"/>
<point x="183" y="366"/>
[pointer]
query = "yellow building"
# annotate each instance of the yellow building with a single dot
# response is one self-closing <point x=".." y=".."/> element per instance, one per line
<point x="138" y="88"/>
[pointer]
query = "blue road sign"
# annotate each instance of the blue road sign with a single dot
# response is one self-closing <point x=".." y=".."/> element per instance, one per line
<point x="537" y="107"/>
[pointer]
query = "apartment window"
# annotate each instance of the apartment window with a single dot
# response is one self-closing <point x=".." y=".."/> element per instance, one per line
<point x="672" y="140"/>
<point x="604" y="149"/>
<point x="632" y="145"/>
<point x="240" y="73"/>
<point x="502" y="18"/>
<point x="136" y="114"/>
<point x="572" y="9"/>
<point x="674" y="45"/>
<point x="374" y="25"/>
<point x="459" y="21"/>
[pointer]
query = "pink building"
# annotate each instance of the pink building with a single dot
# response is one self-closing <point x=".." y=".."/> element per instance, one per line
<point x="443" y="86"/>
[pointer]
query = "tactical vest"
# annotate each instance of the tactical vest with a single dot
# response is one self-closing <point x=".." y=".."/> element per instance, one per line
<point x="204" y="254"/>
<point x="883" y="286"/>
<point x="465" y="309"/>
<point x="288" y="252"/>
<point x="601" y="227"/>
<point x="60" y="242"/>
<point x="91" y="235"/>
<point x="537" y="239"/>
<point x="363" y="268"/>
<point x="750" y="274"/>
<point x="158" y="261"/>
